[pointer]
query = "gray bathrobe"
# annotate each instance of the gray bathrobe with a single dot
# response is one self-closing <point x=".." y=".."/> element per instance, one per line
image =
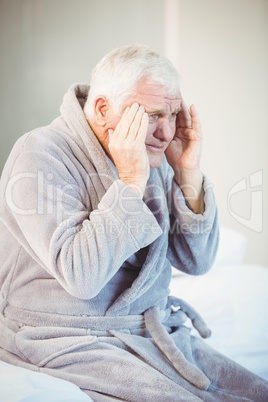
<point x="85" y="267"/>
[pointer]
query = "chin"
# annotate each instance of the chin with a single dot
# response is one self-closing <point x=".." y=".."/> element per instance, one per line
<point x="155" y="161"/>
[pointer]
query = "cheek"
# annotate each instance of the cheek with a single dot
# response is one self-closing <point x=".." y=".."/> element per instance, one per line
<point x="150" y="131"/>
<point x="112" y="121"/>
<point x="172" y="127"/>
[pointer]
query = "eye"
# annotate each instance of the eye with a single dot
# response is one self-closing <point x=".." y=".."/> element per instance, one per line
<point x="153" y="118"/>
<point x="173" y="117"/>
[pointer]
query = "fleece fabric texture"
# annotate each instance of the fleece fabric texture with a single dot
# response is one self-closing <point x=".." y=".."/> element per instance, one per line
<point x="85" y="267"/>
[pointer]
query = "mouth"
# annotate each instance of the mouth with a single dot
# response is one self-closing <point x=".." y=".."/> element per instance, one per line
<point x="157" y="148"/>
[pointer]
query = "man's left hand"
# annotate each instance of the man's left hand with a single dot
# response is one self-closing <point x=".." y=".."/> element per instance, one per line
<point x="184" y="153"/>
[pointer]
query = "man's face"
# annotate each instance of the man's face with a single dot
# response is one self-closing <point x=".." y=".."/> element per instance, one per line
<point x="162" y="111"/>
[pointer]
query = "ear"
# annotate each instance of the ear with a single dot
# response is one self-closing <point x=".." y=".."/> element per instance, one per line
<point x="101" y="109"/>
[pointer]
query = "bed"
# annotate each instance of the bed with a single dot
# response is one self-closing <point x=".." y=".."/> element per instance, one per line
<point x="233" y="300"/>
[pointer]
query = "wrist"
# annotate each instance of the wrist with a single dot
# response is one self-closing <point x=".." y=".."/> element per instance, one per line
<point x="136" y="185"/>
<point x="185" y="176"/>
<point x="191" y="183"/>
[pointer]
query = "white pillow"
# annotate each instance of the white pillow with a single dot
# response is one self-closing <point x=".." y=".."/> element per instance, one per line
<point x="232" y="247"/>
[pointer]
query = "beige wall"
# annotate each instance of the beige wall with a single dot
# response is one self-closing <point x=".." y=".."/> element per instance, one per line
<point x="219" y="46"/>
<point x="46" y="45"/>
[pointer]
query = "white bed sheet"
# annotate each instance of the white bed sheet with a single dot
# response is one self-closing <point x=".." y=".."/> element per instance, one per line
<point x="233" y="300"/>
<point x="22" y="385"/>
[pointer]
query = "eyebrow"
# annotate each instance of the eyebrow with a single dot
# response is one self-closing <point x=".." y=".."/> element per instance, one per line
<point x="177" y="110"/>
<point x="155" y="111"/>
<point x="162" y="111"/>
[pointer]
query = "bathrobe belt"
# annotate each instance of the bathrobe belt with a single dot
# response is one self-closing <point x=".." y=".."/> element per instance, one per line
<point x="167" y="345"/>
<point x="157" y="322"/>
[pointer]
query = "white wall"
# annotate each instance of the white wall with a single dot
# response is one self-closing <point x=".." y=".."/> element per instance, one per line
<point x="219" y="46"/>
<point x="221" y="51"/>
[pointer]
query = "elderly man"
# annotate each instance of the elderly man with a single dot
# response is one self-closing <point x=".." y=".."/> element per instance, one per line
<point x="95" y="209"/>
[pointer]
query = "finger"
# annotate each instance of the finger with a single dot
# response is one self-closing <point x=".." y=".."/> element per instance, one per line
<point x="181" y="118"/>
<point x="142" y="133"/>
<point x="195" y="118"/>
<point x="121" y="131"/>
<point x="186" y="115"/>
<point x="134" y="128"/>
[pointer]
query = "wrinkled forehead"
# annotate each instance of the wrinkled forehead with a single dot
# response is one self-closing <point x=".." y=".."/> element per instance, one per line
<point x="155" y="98"/>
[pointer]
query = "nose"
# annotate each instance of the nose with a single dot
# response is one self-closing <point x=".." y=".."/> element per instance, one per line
<point x="164" y="131"/>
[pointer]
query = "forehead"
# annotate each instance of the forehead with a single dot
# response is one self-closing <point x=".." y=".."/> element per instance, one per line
<point x="154" y="97"/>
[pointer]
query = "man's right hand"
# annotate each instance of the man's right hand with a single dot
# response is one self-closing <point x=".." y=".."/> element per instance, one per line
<point x="128" y="150"/>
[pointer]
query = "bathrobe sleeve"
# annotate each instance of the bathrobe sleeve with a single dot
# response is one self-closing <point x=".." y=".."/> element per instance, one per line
<point x="50" y="212"/>
<point x="193" y="238"/>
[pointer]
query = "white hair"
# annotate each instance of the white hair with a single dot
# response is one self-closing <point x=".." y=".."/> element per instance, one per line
<point x="117" y="74"/>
